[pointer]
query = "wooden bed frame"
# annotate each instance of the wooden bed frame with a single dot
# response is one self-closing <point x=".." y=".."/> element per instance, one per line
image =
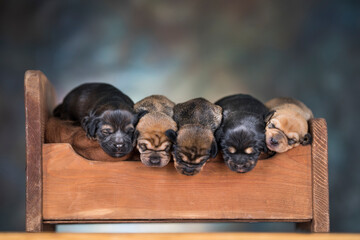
<point x="63" y="187"/>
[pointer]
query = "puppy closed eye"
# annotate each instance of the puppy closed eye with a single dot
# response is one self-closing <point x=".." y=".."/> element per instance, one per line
<point x="107" y="131"/>
<point x="271" y="125"/>
<point x="291" y="141"/>
<point x="143" y="147"/>
<point x="129" y="130"/>
<point x="167" y="149"/>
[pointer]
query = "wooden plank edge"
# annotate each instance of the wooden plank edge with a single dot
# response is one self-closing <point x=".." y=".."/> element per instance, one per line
<point x="171" y="221"/>
<point x="320" y="174"/>
<point x="33" y="152"/>
<point x="181" y="236"/>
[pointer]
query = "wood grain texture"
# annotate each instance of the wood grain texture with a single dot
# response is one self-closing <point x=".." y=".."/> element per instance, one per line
<point x="319" y="155"/>
<point x="78" y="189"/>
<point x="39" y="100"/>
<point x="178" y="236"/>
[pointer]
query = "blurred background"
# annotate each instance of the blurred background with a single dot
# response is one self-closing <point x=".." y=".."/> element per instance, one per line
<point x="309" y="50"/>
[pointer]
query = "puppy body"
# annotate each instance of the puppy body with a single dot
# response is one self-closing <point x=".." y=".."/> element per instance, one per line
<point x="154" y="146"/>
<point x="194" y="143"/>
<point x="241" y="135"/>
<point x="62" y="131"/>
<point x="105" y="113"/>
<point x="287" y="127"/>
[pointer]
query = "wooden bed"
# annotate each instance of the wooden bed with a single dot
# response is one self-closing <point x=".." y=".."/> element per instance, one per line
<point x="63" y="187"/>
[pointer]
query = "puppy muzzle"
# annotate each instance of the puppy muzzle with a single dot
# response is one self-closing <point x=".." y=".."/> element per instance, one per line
<point x="116" y="149"/>
<point x="187" y="169"/>
<point x="155" y="159"/>
<point x="242" y="166"/>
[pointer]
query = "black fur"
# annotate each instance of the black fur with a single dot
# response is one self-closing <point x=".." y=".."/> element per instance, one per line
<point x="242" y="127"/>
<point x="171" y="134"/>
<point x="94" y="105"/>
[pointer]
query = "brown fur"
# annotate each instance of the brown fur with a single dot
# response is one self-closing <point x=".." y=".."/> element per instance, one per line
<point x="63" y="131"/>
<point x="289" y="121"/>
<point x="154" y="146"/>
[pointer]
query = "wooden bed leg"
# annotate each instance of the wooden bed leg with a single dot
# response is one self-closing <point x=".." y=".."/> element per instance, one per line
<point x="319" y="155"/>
<point x="39" y="100"/>
<point x="320" y="180"/>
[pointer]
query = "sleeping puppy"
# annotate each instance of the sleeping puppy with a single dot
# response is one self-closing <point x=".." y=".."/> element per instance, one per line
<point x="287" y="125"/>
<point x="154" y="146"/>
<point x="241" y="135"/>
<point x="194" y="143"/>
<point x="105" y="113"/>
<point x="64" y="131"/>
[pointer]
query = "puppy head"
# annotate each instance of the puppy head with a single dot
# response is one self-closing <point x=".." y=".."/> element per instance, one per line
<point x="285" y="130"/>
<point x="154" y="146"/>
<point x="193" y="146"/>
<point x="114" y="130"/>
<point x="242" y="143"/>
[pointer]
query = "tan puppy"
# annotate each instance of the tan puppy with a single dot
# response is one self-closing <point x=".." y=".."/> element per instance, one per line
<point x="287" y="124"/>
<point x="154" y="146"/>
<point x="62" y="131"/>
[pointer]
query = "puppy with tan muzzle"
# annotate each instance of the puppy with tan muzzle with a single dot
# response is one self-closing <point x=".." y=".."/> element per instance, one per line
<point x="241" y="135"/>
<point x="287" y="125"/>
<point x="154" y="146"/>
<point x="194" y="143"/>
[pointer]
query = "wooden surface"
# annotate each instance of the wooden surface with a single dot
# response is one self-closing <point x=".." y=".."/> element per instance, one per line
<point x="79" y="189"/>
<point x="178" y="236"/>
<point x="39" y="100"/>
<point x="319" y="154"/>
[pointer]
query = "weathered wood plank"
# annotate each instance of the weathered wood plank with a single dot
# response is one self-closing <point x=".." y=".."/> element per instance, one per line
<point x="320" y="180"/>
<point x="39" y="100"/>
<point x="79" y="189"/>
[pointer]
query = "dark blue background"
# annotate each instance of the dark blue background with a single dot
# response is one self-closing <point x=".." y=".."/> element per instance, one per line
<point x="305" y="49"/>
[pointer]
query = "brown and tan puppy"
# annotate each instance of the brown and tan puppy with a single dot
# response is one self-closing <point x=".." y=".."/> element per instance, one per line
<point x="194" y="143"/>
<point x="287" y="124"/>
<point x="62" y="131"/>
<point x="154" y="146"/>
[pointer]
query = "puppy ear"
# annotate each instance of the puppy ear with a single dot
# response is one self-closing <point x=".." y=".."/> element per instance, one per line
<point x="172" y="135"/>
<point x="90" y="125"/>
<point x="306" y="140"/>
<point x="269" y="115"/>
<point x="214" y="149"/>
<point x="139" y="115"/>
<point x="135" y="137"/>
<point x="218" y="134"/>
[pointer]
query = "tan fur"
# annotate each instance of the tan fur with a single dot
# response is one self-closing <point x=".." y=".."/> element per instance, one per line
<point x="290" y="120"/>
<point x="61" y="131"/>
<point x="156" y="103"/>
<point x="196" y="141"/>
<point x="152" y="128"/>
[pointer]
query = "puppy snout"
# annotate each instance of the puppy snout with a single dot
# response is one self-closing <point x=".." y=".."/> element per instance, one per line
<point x="155" y="160"/>
<point x="273" y="141"/>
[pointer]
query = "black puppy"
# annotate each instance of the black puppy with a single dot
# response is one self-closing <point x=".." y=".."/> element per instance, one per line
<point x="194" y="143"/>
<point x="105" y="113"/>
<point x="241" y="134"/>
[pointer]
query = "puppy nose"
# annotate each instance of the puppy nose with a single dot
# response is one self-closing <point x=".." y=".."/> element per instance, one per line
<point x="154" y="160"/>
<point x="274" y="141"/>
